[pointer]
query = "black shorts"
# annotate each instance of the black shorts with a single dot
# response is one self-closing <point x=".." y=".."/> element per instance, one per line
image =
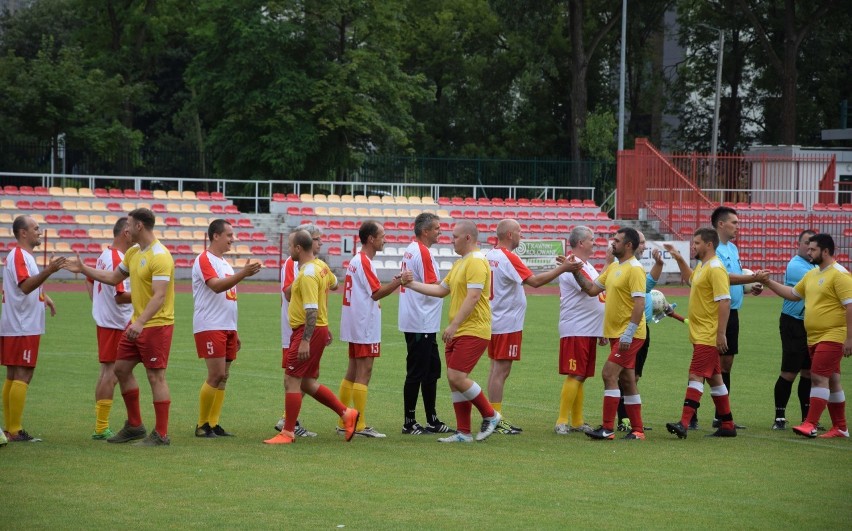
<point x="642" y="355"/>
<point x="423" y="362"/>
<point x="794" y="344"/>
<point x="732" y="333"/>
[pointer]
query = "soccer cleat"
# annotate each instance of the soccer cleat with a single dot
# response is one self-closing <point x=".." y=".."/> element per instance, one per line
<point x="128" y="433"/>
<point x="280" y="424"/>
<point x="819" y="427"/>
<point x="220" y="431"/>
<point x="3" y="439"/>
<point x="23" y="436"/>
<point x="562" y="429"/>
<point x="634" y="436"/>
<point x="350" y="419"/>
<point x="285" y="437"/>
<point x="370" y="432"/>
<point x="489" y="424"/>
<point x="693" y="423"/>
<point x="205" y="431"/>
<point x="601" y="434"/>
<point x="505" y="428"/>
<point x="779" y="424"/>
<point x="806" y="429"/>
<point x="438" y="427"/>
<point x="583" y="428"/>
<point x="414" y="429"/>
<point x="722" y="432"/>
<point x="677" y="428"/>
<point x="301" y="431"/>
<point x="834" y="432"/>
<point x="516" y="428"/>
<point x="154" y="439"/>
<point x="102" y="436"/>
<point x="718" y="424"/>
<point x="624" y="425"/>
<point x="457" y="438"/>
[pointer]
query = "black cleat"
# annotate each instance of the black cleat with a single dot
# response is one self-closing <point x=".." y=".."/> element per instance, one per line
<point x="678" y="429"/>
<point x="722" y="432"/>
<point x="220" y="431"/>
<point x="205" y="431"/>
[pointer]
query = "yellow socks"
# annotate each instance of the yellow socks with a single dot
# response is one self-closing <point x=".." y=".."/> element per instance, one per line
<point x="102" y="409"/>
<point x="205" y="401"/>
<point x="359" y="398"/>
<point x="345" y="396"/>
<point x="216" y="409"/>
<point x="498" y="406"/>
<point x="577" y="409"/>
<point x="7" y="386"/>
<point x="567" y="399"/>
<point x="17" y="399"/>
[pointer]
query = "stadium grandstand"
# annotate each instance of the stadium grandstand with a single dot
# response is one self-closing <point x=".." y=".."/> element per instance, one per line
<point x="659" y="193"/>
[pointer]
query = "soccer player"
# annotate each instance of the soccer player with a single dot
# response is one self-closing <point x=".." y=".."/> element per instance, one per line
<point x="624" y="325"/>
<point x="361" y="321"/>
<point x="112" y="312"/>
<point x="725" y="221"/>
<point x="581" y="321"/>
<point x="214" y="322"/>
<point x="148" y="338"/>
<point x="795" y="358"/>
<point x="467" y="336"/>
<point x="308" y="313"/>
<point x="508" y="308"/>
<point x="827" y="292"/>
<point x="419" y="318"/>
<point x="22" y="321"/>
<point x="288" y="274"/>
<point x="709" y="308"/>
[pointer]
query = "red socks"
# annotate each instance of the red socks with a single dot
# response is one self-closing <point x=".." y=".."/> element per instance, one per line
<point x="131" y="402"/>
<point x="325" y="397"/>
<point x="161" y="414"/>
<point x="292" y="407"/>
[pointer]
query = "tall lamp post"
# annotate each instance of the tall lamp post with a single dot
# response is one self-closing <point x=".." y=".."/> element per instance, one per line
<point x="715" y="136"/>
<point x="621" y="75"/>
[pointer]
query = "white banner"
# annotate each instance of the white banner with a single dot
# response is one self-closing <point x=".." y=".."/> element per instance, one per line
<point x="669" y="263"/>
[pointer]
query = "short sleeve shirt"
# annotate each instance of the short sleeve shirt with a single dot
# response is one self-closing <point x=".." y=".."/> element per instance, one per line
<point x="623" y="282"/>
<point x="288" y="274"/>
<point x="23" y="313"/>
<point x="212" y="311"/>
<point x="471" y="272"/>
<point x="710" y="284"/>
<point x="508" y="299"/>
<point x="826" y="293"/>
<point x="310" y="291"/>
<point x="417" y="312"/>
<point x="106" y="312"/>
<point x="730" y="258"/>
<point x="361" y="316"/>
<point x="579" y="314"/>
<point x="144" y="267"/>
<point x="796" y="270"/>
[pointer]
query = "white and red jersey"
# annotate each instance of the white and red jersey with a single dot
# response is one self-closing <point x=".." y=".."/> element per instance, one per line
<point x="361" y="316"/>
<point x="579" y="314"/>
<point x="417" y="312"/>
<point x="23" y="315"/>
<point x="288" y="274"/>
<point x="107" y="312"/>
<point x="508" y="300"/>
<point x="213" y="311"/>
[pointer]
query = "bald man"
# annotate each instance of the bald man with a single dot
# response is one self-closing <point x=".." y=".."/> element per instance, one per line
<point x="508" y="308"/>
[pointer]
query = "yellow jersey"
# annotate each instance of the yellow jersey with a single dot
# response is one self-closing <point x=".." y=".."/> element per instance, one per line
<point x="310" y="291"/>
<point x="471" y="271"/>
<point x="144" y="267"/>
<point x="826" y="292"/>
<point x="622" y="282"/>
<point x="709" y="285"/>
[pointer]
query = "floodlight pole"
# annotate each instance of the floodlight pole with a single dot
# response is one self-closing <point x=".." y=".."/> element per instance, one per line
<point x="714" y="139"/>
<point x="621" y="75"/>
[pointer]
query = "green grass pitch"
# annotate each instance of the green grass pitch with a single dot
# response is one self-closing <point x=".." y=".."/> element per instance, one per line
<point x="761" y="479"/>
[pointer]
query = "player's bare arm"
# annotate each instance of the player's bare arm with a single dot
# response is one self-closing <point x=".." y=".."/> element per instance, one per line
<point x="158" y="298"/>
<point x="32" y="283"/>
<point x="657" y="268"/>
<point x="589" y="288"/>
<point x="721" y="333"/>
<point x="387" y="289"/>
<point x="50" y="304"/>
<point x="220" y="285"/>
<point x="780" y="289"/>
<point x="635" y="319"/>
<point x="308" y="333"/>
<point x="122" y="298"/>
<point x="465" y="310"/>
<point x="112" y="278"/>
<point x="685" y="270"/>
<point x="536" y="281"/>
<point x="847" y="345"/>
<point x="432" y="290"/>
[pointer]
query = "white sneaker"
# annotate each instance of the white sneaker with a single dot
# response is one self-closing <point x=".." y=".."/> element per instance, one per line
<point x="369" y="431"/>
<point x="280" y="424"/>
<point x="3" y="440"/>
<point x="562" y="429"/>
<point x="488" y="426"/>
<point x="583" y="428"/>
<point x="457" y="438"/>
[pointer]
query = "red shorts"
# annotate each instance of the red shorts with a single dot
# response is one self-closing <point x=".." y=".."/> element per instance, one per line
<point x="626" y="359"/>
<point x="463" y="352"/>
<point x="151" y="347"/>
<point x="705" y="361"/>
<point x="364" y="350"/>
<point x="577" y="356"/>
<point x="19" y="351"/>
<point x="310" y="367"/>
<point x="505" y="346"/>
<point x="108" y="339"/>
<point x="217" y="344"/>
<point x="825" y="358"/>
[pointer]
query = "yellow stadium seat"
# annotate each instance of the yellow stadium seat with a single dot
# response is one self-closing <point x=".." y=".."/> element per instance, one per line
<point x="184" y="234"/>
<point x="173" y="194"/>
<point x="388" y="199"/>
<point x="56" y="191"/>
<point x="346" y="198"/>
<point x="349" y="212"/>
<point x="308" y="198"/>
<point x="202" y="221"/>
<point x="186" y="221"/>
<point x="173" y="208"/>
<point x="361" y="199"/>
<point x="400" y="200"/>
<point x="197" y="248"/>
<point x="50" y="247"/>
<point x="98" y="206"/>
<point x="96" y="219"/>
<point x="7" y="204"/>
<point x="376" y="213"/>
<point x="85" y="192"/>
<point x="188" y="195"/>
<point x="362" y="212"/>
<point x="334" y="211"/>
<point x="333" y="198"/>
<point x="160" y="194"/>
<point x="389" y="212"/>
<point x="70" y="192"/>
<point x="321" y="211"/>
<point x="402" y="213"/>
<point x="243" y="249"/>
<point x="84" y="205"/>
<point x="320" y="198"/>
<point x="143" y="204"/>
<point x="5" y="218"/>
<point x="5" y="232"/>
<point x="199" y="235"/>
<point x="96" y="234"/>
<point x="82" y="219"/>
<point x="39" y="218"/>
<point x="442" y="213"/>
<point x="414" y="200"/>
<point x="239" y="263"/>
<point x="62" y="247"/>
<point x="170" y="234"/>
<point x="202" y="208"/>
<point x="187" y="208"/>
<point x="127" y="206"/>
<point x="427" y="200"/>
<point x="374" y="199"/>
<point x="110" y="219"/>
<point x="69" y="205"/>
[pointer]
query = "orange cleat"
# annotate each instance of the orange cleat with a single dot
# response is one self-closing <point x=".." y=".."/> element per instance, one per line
<point x="834" y="432"/>
<point x="285" y="437"/>
<point x="350" y="419"/>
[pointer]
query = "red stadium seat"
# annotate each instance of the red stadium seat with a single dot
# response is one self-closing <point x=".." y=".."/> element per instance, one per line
<point x="131" y="194"/>
<point x="183" y="263"/>
<point x="172" y="222"/>
<point x="146" y="194"/>
<point x="51" y="219"/>
<point x="11" y="189"/>
<point x="203" y="196"/>
<point x="275" y="197"/>
<point x="232" y="209"/>
<point x="41" y="190"/>
<point x="26" y="190"/>
<point x="53" y="205"/>
<point x="291" y="211"/>
<point x="23" y="205"/>
<point x="273" y="250"/>
<point x="159" y="208"/>
<point x="94" y="248"/>
<point x="270" y="263"/>
<point x="66" y="219"/>
<point x="306" y="211"/>
<point x="244" y="223"/>
<point x="217" y="196"/>
<point x="334" y="251"/>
